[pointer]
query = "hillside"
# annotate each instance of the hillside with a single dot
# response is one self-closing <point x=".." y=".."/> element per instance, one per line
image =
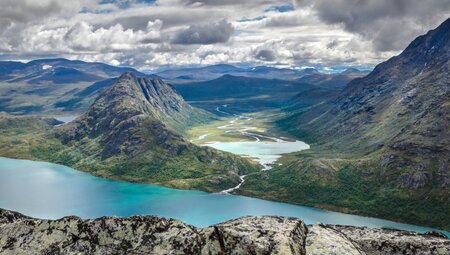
<point x="131" y="132"/>
<point x="241" y="94"/>
<point x="381" y="146"/>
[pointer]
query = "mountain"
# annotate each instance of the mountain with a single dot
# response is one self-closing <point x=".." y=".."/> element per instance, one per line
<point x="58" y="70"/>
<point x="336" y="81"/>
<point x="381" y="146"/>
<point x="310" y="97"/>
<point x="131" y="132"/>
<point x="240" y="93"/>
<point x="51" y="86"/>
<point x="187" y="75"/>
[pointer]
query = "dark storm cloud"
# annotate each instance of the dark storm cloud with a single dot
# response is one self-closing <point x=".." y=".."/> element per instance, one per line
<point x="218" y="32"/>
<point x="389" y="23"/>
<point x="265" y="55"/>
<point x="14" y="12"/>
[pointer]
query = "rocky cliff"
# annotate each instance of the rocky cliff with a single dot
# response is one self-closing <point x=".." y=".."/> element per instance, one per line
<point x="20" y="234"/>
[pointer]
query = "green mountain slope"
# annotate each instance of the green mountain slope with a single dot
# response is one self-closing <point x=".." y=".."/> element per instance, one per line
<point x="381" y="147"/>
<point x="130" y="133"/>
<point x="241" y="94"/>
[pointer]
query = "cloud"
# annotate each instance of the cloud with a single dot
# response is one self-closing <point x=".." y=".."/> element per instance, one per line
<point x="265" y="55"/>
<point x="390" y="24"/>
<point x="83" y="36"/>
<point x="149" y="33"/>
<point x="218" y="32"/>
<point x="23" y="11"/>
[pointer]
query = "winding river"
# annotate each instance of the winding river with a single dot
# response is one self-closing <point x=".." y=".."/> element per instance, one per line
<point x="264" y="148"/>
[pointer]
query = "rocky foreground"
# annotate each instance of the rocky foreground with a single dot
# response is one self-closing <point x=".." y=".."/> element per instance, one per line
<point x="20" y="234"/>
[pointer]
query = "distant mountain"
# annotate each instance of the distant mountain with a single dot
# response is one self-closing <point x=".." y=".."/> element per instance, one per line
<point x="52" y="85"/>
<point x="381" y="146"/>
<point x="59" y="71"/>
<point x="206" y="73"/>
<point x="241" y="93"/>
<point x="131" y="132"/>
<point x="334" y="80"/>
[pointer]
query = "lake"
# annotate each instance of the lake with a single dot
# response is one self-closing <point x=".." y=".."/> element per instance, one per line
<point x="46" y="190"/>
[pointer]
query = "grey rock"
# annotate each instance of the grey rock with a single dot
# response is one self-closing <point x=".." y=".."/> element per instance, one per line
<point x="20" y="234"/>
<point x="149" y="235"/>
<point x="257" y="235"/>
<point x="322" y="240"/>
<point x="392" y="241"/>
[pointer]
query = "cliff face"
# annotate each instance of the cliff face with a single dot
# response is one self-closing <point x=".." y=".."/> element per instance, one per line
<point x="247" y="235"/>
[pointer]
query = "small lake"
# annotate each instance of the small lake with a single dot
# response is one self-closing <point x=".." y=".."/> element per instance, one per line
<point x="264" y="152"/>
<point x="46" y="190"/>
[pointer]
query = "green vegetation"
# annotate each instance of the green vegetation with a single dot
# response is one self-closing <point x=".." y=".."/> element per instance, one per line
<point x="214" y="131"/>
<point x="131" y="133"/>
<point x="203" y="169"/>
<point x="351" y="186"/>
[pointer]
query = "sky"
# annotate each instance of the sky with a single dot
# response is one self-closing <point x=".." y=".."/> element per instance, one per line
<point x="150" y="34"/>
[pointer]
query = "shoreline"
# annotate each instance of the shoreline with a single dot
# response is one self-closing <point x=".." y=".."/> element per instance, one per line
<point x="247" y="196"/>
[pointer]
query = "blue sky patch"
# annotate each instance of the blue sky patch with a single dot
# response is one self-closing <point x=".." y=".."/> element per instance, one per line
<point x="281" y="8"/>
<point x="252" y="19"/>
<point x="125" y="4"/>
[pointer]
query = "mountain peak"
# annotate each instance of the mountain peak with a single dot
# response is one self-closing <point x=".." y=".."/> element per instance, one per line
<point x="131" y="96"/>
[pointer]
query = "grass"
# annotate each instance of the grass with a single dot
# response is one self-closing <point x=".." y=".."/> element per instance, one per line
<point x="260" y="121"/>
<point x="193" y="168"/>
<point x="350" y="189"/>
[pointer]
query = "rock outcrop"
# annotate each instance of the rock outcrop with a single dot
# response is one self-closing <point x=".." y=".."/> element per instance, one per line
<point x="20" y="234"/>
<point x="337" y="239"/>
<point x="149" y="235"/>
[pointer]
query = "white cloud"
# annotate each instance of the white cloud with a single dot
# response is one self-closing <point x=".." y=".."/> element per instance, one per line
<point x="185" y="32"/>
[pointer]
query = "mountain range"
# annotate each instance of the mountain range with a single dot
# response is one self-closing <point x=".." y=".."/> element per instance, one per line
<point x="46" y="86"/>
<point x="241" y="94"/>
<point x="184" y="75"/>
<point x="69" y="87"/>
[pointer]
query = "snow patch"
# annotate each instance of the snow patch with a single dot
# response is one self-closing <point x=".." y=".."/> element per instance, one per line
<point x="45" y="67"/>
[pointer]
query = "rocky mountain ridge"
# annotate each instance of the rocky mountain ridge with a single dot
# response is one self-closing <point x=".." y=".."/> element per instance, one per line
<point x="246" y="235"/>
<point x="380" y="147"/>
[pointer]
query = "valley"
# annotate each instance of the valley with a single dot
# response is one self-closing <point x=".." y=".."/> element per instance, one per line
<point x="246" y="135"/>
<point x="374" y="145"/>
<point x="302" y="127"/>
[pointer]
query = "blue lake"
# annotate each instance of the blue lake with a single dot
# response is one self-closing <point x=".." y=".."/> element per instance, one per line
<point x="52" y="191"/>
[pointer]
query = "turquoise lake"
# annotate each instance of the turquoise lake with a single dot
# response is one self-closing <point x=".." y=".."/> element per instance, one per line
<point x="52" y="191"/>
